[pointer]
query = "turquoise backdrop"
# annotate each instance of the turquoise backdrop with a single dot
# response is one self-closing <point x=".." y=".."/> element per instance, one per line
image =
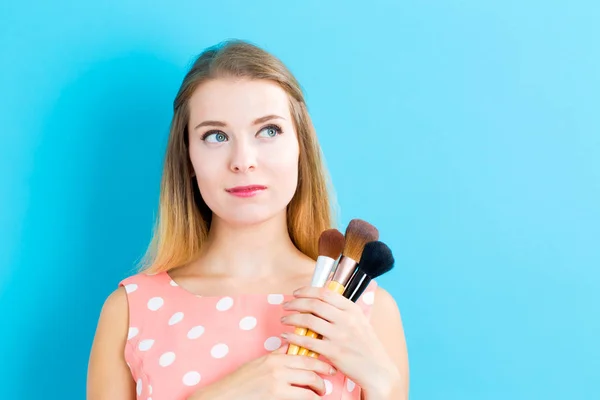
<point x="467" y="131"/>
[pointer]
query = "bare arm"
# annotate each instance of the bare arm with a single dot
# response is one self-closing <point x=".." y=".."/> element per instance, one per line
<point x="387" y="323"/>
<point x="109" y="377"/>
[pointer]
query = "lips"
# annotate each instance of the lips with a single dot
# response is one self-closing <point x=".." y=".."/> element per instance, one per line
<point x="246" y="189"/>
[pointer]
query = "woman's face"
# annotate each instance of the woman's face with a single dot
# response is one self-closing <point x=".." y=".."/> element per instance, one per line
<point x="243" y="148"/>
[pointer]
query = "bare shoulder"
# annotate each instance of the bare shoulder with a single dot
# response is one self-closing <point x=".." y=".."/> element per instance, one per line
<point x="387" y="323"/>
<point x="385" y="315"/>
<point x="115" y="306"/>
<point x="385" y="303"/>
<point x="114" y="315"/>
<point x="107" y="361"/>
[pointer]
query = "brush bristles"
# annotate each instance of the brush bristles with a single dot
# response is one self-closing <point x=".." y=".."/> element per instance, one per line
<point x="376" y="259"/>
<point x="331" y="243"/>
<point x="358" y="234"/>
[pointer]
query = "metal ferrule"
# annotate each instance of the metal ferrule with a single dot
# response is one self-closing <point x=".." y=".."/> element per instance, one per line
<point x="344" y="270"/>
<point x="322" y="270"/>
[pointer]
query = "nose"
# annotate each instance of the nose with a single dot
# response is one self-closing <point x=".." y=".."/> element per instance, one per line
<point x="243" y="157"/>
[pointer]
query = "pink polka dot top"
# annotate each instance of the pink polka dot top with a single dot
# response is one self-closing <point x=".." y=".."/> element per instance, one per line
<point x="179" y="341"/>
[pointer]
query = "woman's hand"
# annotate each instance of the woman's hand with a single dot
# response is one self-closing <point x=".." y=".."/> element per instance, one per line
<point x="349" y="341"/>
<point x="275" y="376"/>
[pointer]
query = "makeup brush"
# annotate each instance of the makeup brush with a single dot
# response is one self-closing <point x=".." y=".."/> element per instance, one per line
<point x="376" y="260"/>
<point x="331" y="243"/>
<point x="358" y="234"/>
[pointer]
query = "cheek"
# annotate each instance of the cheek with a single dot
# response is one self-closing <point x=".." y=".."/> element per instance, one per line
<point x="206" y="167"/>
<point x="284" y="159"/>
<point x="283" y="165"/>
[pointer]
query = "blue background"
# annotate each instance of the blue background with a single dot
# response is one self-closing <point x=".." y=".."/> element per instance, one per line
<point x="468" y="132"/>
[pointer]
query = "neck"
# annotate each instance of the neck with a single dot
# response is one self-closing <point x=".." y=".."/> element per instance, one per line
<point x="256" y="250"/>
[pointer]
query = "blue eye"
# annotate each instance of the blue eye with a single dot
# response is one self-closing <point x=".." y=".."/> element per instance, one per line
<point x="214" y="137"/>
<point x="270" y="131"/>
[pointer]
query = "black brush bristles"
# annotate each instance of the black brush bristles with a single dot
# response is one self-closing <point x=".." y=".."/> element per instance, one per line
<point x="376" y="260"/>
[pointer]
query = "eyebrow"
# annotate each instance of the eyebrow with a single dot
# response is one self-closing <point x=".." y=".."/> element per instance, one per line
<point x="223" y="124"/>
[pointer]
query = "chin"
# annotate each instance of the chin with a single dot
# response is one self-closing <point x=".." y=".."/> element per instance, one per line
<point x="246" y="216"/>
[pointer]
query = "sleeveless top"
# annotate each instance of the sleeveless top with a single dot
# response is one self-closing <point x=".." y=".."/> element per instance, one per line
<point x="179" y="341"/>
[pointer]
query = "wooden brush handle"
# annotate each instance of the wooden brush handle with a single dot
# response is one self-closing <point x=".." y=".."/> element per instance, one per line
<point x="336" y="287"/>
<point x="313" y="354"/>
<point x="294" y="349"/>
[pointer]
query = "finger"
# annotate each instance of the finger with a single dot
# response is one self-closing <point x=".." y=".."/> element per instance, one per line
<point x="319" y="346"/>
<point x="314" y="306"/>
<point x="296" y="393"/>
<point x="327" y="295"/>
<point x="313" y="323"/>
<point x="282" y="349"/>
<point x="309" y="379"/>
<point x="310" y="364"/>
<point x="292" y="348"/>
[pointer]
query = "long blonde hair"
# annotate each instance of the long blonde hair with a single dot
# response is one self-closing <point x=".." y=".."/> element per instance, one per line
<point x="184" y="218"/>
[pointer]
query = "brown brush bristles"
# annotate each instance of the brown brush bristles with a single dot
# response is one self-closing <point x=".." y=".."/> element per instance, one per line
<point x="331" y="243"/>
<point x="358" y="234"/>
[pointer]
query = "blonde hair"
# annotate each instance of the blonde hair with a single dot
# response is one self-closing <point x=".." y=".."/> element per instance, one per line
<point x="183" y="220"/>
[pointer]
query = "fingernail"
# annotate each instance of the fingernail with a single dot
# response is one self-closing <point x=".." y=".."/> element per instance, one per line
<point x="332" y="371"/>
<point x="285" y="305"/>
<point x="297" y="291"/>
<point x="285" y="335"/>
<point x="283" y="319"/>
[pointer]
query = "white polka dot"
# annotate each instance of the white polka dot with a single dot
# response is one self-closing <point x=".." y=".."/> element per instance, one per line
<point x="272" y="343"/>
<point x="219" y="350"/>
<point x="166" y="359"/>
<point x="192" y="378"/>
<point x="275" y="298"/>
<point x="328" y="386"/>
<point x="247" y="323"/>
<point x="138" y="387"/>
<point x="173" y="283"/>
<point x="350" y="385"/>
<point x="145" y="345"/>
<point x="369" y="298"/>
<point x="132" y="287"/>
<point x="177" y="317"/>
<point x="195" y="332"/>
<point x="132" y="333"/>
<point x="150" y="389"/>
<point x="224" y="304"/>
<point x="155" y="303"/>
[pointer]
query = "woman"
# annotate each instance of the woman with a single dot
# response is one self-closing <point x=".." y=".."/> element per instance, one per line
<point x="243" y="201"/>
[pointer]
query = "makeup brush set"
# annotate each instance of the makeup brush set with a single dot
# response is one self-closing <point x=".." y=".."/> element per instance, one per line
<point x="346" y="265"/>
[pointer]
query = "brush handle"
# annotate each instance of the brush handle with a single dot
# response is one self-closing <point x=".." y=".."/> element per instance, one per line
<point x="294" y="349"/>
<point x="353" y="290"/>
<point x="357" y="286"/>
<point x="333" y="286"/>
<point x="321" y="273"/>
<point x="313" y="354"/>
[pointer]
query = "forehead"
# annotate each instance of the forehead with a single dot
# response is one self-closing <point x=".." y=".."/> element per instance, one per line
<point x="237" y="101"/>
